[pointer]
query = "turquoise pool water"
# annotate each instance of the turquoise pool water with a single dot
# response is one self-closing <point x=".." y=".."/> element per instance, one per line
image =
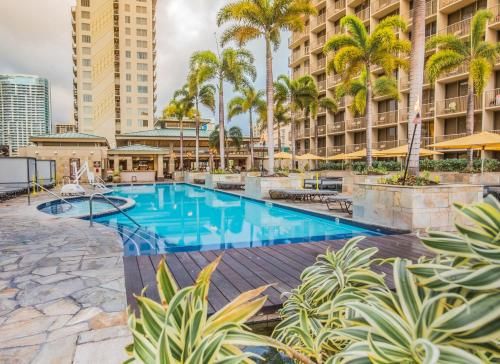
<point x="184" y="217"/>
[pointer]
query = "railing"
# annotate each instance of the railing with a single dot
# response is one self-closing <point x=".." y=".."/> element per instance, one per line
<point x="299" y="114"/>
<point x="443" y="138"/>
<point x="36" y="184"/>
<point x="456" y="105"/>
<point x="307" y="132"/>
<point x="322" y="110"/>
<point x="336" y="150"/>
<point x="322" y="85"/>
<point x="492" y="98"/>
<point x="320" y="20"/>
<point x="322" y="151"/>
<point x="357" y="123"/>
<point x="405" y="81"/>
<point x="496" y="15"/>
<point x="321" y="129"/>
<point x="319" y="42"/>
<point x="338" y="127"/>
<point x="303" y="72"/>
<point x="430" y="9"/>
<point x="385" y="144"/>
<point x="381" y="4"/>
<point x="385" y="118"/>
<point x="460" y="29"/>
<point x="296" y="36"/>
<point x="299" y="54"/>
<point x="364" y="14"/>
<point x="427" y="111"/>
<point x="463" y="68"/>
<point x="337" y="7"/>
<point x="354" y="147"/>
<point x="445" y="3"/>
<point x="320" y="64"/>
<point x="341" y="102"/>
<point x="91" y="215"/>
<point x="334" y="79"/>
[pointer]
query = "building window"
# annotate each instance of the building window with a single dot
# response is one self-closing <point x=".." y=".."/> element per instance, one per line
<point x="86" y="62"/>
<point x="142" y="66"/>
<point x="142" y="78"/>
<point x="86" y="38"/>
<point x="87" y="75"/>
<point x="128" y="65"/>
<point x="129" y="99"/>
<point x="85" y="3"/>
<point x="127" y="31"/>
<point x="142" y="89"/>
<point x="129" y="88"/>
<point x="142" y="44"/>
<point x="87" y="98"/>
<point x="87" y="110"/>
<point x="128" y="54"/>
<point x="86" y="51"/>
<point x="86" y="26"/>
<point x="141" y="9"/>
<point x="141" y="21"/>
<point x="85" y="14"/>
<point x="128" y="42"/>
<point x="142" y="55"/>
<point x="87" y="86"/>
<point x="127" y="7"/>
<point x="142" y="100"/>
<point x="129" y="122"/>
<point x="127" y="19"/>
<point x="128" y="77"/>
<point x="142" y="32"/>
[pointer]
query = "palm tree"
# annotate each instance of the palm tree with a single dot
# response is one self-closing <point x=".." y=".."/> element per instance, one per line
<point x="234" y="66"/>
<point x="474" y="52"/>
<point x="320" y="102"/>
<point x="417" y="62"/>
<point x="180" y="107"/>
<point x="281" y="118"/>
<point x="234" y="136"/>
<point x="299" y="93"/>
<point x="258" y="18"/>
<point x="202" y="94"/>
<point x="250" y="101"/>
<point x="357" y="50"/>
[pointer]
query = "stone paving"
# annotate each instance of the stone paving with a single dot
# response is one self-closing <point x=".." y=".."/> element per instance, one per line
<point x="62" y="292"/>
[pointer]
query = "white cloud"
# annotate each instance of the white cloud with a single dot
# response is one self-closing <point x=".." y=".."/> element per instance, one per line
<point x="36" y="39"/>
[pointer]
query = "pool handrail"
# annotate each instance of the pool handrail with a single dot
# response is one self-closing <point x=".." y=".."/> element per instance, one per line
<point x="91" y="215"/>
<point x="52" y="193"/>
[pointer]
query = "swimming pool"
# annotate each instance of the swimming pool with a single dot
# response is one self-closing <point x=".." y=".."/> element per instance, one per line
<point x="183" y="217"/>
<point x="79" y="206"/>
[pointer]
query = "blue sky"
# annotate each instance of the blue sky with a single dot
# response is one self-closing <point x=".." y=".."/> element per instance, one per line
<point x="36" y="39"/>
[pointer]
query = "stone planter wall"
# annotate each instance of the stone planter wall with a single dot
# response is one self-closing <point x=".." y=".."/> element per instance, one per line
<point x="411" y="208"/>
<point x="189" y="177"/>
<point x="178" y="176"/>
<point x="258" y="187"/>
<point x="250" y="174"/>
<point x="211" y="180"/>
<point x="487" y="178"/>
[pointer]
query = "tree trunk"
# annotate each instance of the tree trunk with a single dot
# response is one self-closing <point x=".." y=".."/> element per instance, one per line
<point x="270" y="104"/>
<point x="251" y="141"/>
<point x="469" y="122"/>
<point x="197" y="146"/>
<point x="417" y="61"/>
<point x="279" y="136"/>
<point x="181" y="162"/>
<point x="292" y="129"/>
<point x="368" y="119"/>
<point x="311" y="119"/>
<point x="222" y="130"/>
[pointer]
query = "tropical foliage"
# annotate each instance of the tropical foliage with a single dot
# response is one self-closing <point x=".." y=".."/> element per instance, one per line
<point x="233" y="137"/>
<point x="252" y="19"/>
<point x="472" y="52"/>
<point x="357" y="51"/>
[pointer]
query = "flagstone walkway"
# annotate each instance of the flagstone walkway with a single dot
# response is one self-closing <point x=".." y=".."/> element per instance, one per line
<point x="62" y="293"/>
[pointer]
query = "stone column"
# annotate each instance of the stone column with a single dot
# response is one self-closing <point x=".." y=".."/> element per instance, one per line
<point x="116" y="164"/>
<point x="159" y="173"/>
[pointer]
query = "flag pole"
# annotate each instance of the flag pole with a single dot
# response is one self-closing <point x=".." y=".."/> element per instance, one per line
<point x="416" y="121"/>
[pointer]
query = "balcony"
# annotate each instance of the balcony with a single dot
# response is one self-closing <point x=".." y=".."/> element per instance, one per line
<point x="321" y="130"/>
<point x="298" y="37"/>
<point x="299" y="114"/>
<point x="341" y="102"/>
<point x="320" y="65"/>
<point x="492" y="99"/>
<point x="430" y="9"/>
<point x="443" y="138"/>
<point x="304" y="71"/>
<point x="404" y="81"/>
<point x="356" y="124"/>
<point x="383" y="7"/>
<point x="322" y="151"/>
<point x="299" y="55"/>
<point x="334" y="79"/>
<point x="364" y="14"/>
<point x="461" y="70"/>
<point x="317" y="45"/>
<point x="336" y="10"/>
<point x="385" y="144"/>
<point x="460" y="29"/>
<point x="335" y="150"/>
<point x="321" y="86"/>
<point x="338" y="127"/>
<point x="354" y="147"/>
<point x="386" y="118"/>
<point x="456" y="105"/>
<point x="307" y="132"/>
<point x="495" y="21"/>
<point x="427" y="113"/>
<point x="319" y="21"/>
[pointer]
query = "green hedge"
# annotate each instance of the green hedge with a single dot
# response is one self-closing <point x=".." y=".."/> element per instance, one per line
<point x="458" y="165"/>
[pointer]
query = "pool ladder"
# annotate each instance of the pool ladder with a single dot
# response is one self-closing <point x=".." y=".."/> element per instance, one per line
<point x="36" y="184"/>
<point x="91" y="214"/>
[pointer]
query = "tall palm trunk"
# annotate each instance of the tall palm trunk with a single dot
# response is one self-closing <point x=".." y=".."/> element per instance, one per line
<point x="292" y="127"/>
<point x="316" y="149"/>
<point x="197" y="145"/>
<point x="279" y="137"/>
<point x="417" y="61"/>
<point x="222" y="129"/>
<point x="469" y="122"/>
<point x="251" y="141"/>
<point x="368" y="119"/>
<point x="181" y="165"/>
<point x="270" y="104"/>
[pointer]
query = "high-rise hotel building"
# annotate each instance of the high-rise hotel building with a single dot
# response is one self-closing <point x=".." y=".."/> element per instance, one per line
<point x="24" y="109"/>
<point x="114" y="66"/>
<point x="443" y="104"/>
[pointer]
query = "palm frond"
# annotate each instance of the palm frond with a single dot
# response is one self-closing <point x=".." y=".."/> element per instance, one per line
<point x="441" y="62"/>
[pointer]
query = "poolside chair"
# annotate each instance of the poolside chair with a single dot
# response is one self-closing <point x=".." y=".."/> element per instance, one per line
<point x="230" y="185"/>
<point x="344" y="202"/>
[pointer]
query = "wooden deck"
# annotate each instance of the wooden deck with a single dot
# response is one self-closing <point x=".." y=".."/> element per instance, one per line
<point x="248" y="268"/>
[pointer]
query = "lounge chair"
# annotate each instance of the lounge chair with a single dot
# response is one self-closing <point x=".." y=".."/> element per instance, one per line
<point x="301" y="194"/>
<point x="199" y="181"/>
<point x="333" y="183"/>
<point x="230" y="185"/>
<point x="343" y="201"/>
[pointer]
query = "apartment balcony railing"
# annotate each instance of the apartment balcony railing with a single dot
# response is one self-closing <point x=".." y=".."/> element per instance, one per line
<point x="319" y="43"/>
<point x="430" y="9"/>
<point x="386" y="118"/>
<point x="443" y="138"/>
<point x="322" y="110"/>
<point x="297" y="36"/>
<point x="302" y="72"/>
<point x="297" y="55"/>
<point x="462" y="69"/>
<point x="338" y="127"/>
<point x="341" y="102"/>
<point x="299" y="114"/>
<point x="460" y="29"/>
<point x="427" y="111"/>
<point x="356" y="124"/>
<point x="496" y="15"/>
<point x="378" y="5"/>
<point x="404" y="81"/>
<point x="354" y="147"/>
<point x="364" y="14"/>
<point x="322" y="151"/>
<point x="337" y="149"/>
<point x="385" y="144"/>
<point x="321" y="130"/>
<point x="320" y="20"/>
<point x="322" y="85"/>
<point x="307" y="132"/>
<point x="492" y="98"/>
<point x="337" y="7"/>
<point x="444" y="3"/>
<point x="456" y="105"/>
<point x="334" y="79"/>
<point x="320" y="64"/>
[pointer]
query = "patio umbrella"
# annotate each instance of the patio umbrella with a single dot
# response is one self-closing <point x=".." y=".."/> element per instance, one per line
<point x="310" y="157"/>
<point x="402" y="151"/>
<point x="282" y="155"/>
<point x="483" y="141"/>
<point x="361" y="154"/>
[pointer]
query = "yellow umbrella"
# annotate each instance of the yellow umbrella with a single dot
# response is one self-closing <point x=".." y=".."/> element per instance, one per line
<point x="402" y="151"/>
<point x="310" y="157"/>
<point x="361" y="154"/>
<point x="475" y="141"/>
<point x="282" y="155"/>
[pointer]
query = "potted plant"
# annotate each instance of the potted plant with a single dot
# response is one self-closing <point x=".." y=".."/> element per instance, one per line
<point x="116" y="177"/>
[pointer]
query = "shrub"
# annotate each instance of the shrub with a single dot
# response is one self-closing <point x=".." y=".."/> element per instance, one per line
<point x="360" y="167"/>
<point x="398" y="179"/>
<point x="458" y="165"/>
<point x="221" y="171"/>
